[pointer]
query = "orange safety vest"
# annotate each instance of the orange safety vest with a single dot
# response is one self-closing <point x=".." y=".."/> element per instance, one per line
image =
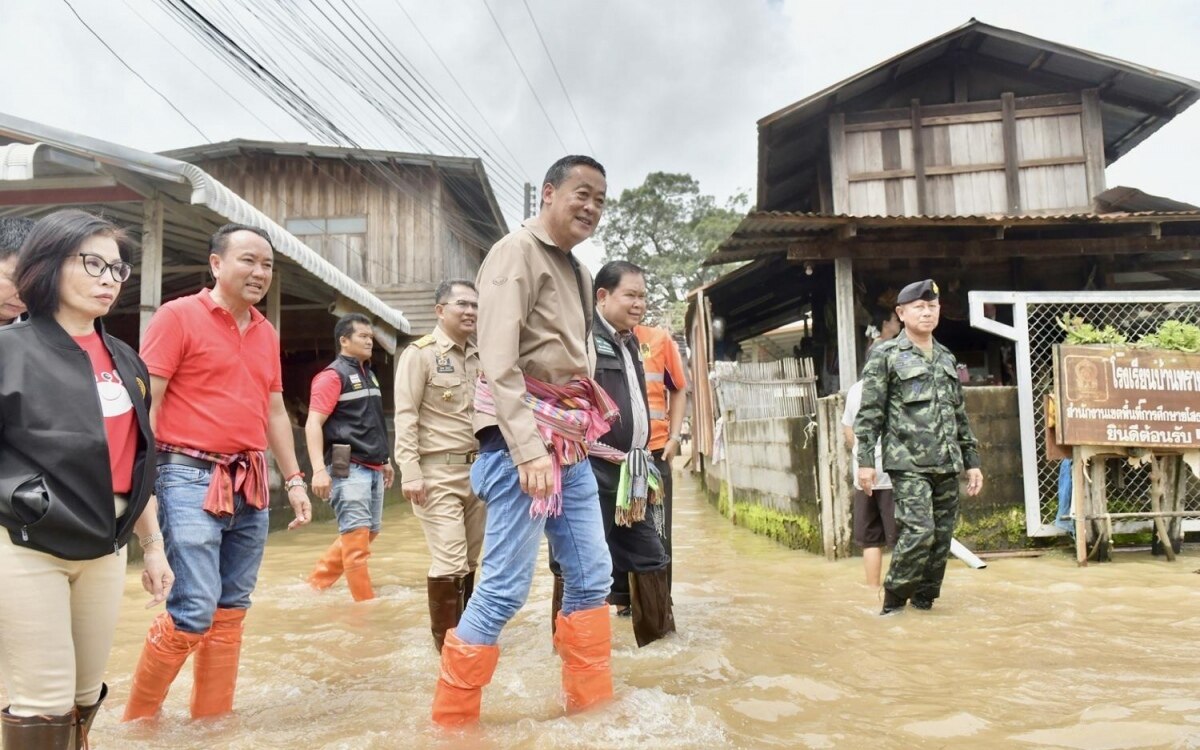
<point x="660" y="360"/>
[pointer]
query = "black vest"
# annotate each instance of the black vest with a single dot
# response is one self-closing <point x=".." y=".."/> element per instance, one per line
<point x="358" y="420"/>
<point x="610" y="374"/>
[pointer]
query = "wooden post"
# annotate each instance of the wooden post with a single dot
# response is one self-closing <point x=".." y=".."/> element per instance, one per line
<point x="918" y="145"/>
<point x="825" y="484"/>
<point x="843" y="270"/>
<point x="152" y="260"/>
<point x="1093" y="142"/>
<point x="274" y="298"/>
<point x="1158" y="488"/>
<point x="1079" y="506"/>
<point x="1012" y="168"/>
<point x="839" y="177"/>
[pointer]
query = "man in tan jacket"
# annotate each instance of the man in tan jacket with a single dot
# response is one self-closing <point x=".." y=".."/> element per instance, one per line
<point x="435" y="447"/>
<point x="536" y="411"/>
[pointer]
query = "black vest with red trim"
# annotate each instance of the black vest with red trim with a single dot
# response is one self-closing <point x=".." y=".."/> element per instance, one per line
<point x="358" y="420"/>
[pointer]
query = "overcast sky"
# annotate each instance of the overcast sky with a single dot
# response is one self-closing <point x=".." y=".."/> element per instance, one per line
<point x="672" y="85"/>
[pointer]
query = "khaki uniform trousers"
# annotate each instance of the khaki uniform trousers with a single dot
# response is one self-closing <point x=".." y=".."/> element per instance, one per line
<point x="57" y="622"/>
<point x="453" y="519"/>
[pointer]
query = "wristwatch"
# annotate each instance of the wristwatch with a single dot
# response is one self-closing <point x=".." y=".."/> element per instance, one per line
<point x="295" y="481"/>
<point x="149" y="539"/>
<point x="676" y="438"/>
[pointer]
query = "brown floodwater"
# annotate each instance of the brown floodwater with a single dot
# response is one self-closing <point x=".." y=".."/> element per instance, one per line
<point x="775" y="648"/>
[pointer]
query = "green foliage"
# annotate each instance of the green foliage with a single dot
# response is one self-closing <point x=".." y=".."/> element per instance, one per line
<point x="1175" y="335"/>
<point x="1079" y="332"/>
<point x="1172" y="334"/>
<point x="1001" y="528"/>
<point x="668" y="227"/>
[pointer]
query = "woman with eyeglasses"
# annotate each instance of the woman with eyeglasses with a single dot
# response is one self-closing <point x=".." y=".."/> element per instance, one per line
<point x="76" y="473"/>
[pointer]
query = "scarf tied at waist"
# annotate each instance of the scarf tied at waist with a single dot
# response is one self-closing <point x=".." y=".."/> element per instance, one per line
<point x="569" y="419"/>
<point x="639" y="488"/>
<point x="232" y="473"/>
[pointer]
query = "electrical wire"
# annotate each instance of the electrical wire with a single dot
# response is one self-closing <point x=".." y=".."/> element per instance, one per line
<point x="524" y="75"/>
<point x="563" y="86"/>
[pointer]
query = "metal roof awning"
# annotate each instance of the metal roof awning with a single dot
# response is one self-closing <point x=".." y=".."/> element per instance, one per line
<point x="813" y="236"/>
<point x="43" y="168"/>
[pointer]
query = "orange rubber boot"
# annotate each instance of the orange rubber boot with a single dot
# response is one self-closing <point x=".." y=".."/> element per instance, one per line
<point x="466" y="669"/>
<point x="329" y="567"/>
<point x="356" y="550"/>
<point x="163" y="655"/>
<point x="584" y="641"/>
<point x="216" y="665"/>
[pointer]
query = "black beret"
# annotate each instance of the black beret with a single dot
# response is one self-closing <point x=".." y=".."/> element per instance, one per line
<point x="926" y="290"/>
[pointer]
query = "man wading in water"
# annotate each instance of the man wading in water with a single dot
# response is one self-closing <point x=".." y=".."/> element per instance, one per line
<point x="536" y="412"/>
<point x="912" y="397"/>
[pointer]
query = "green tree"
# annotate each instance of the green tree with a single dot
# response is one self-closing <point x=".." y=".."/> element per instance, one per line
<point x="668" y="227"/>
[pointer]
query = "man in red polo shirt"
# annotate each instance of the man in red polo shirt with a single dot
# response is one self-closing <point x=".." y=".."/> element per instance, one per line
<point x="217" y="395"/>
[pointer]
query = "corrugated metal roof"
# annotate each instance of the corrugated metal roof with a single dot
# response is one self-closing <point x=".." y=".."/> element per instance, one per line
<point x="764" y="233"/>
<point x="204" y="191"/>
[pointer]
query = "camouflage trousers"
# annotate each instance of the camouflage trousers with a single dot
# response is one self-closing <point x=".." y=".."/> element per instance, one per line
<point x="926" y="509"/>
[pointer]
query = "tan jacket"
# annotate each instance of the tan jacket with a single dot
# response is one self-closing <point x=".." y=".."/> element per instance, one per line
<point x="533" y="320"/>
<point x="435" y="390"/>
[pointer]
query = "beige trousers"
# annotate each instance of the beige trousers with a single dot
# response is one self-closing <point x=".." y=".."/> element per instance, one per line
<point x="453" y="520"/>
<point x="57" y="622"/>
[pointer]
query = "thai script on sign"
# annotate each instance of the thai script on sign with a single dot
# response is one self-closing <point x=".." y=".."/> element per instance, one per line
<point x="1135" y="377"/>
<point x="1115" y="395"/>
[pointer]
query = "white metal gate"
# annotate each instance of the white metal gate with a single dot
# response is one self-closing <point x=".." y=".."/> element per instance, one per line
<point x="1035" y="331"/>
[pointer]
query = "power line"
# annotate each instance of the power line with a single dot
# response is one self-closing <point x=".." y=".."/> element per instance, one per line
<point x="131" y="70"/>
<point x="588" y="141"/>
<point x="524" y="75"/>
<point x="486" y="122"/>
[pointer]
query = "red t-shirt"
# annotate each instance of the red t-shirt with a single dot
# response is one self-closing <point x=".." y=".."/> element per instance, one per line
<point x="221" y="380"/>
<point x="326" y="389"/>
<point x="120" y="420"/>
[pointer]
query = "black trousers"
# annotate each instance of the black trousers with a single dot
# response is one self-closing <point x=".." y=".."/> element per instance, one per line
<point x="634" y="549"/>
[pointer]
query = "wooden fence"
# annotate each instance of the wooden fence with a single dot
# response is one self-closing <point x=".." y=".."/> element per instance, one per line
<point x="766" y="390"/>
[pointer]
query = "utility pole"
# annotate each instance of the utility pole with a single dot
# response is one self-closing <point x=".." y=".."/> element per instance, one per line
<point x="528" y="200"/>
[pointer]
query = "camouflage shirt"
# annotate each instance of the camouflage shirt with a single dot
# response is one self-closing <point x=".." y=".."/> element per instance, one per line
<point x="913" y="403"/>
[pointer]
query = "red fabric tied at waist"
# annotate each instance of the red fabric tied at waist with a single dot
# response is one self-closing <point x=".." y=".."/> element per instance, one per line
<point x="232" y="473"/>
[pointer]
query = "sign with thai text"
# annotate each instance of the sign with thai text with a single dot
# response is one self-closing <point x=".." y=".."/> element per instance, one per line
<point x="1119" y="395"/>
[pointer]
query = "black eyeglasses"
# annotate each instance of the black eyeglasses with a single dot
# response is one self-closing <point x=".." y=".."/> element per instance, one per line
<point x="96" y="266"/>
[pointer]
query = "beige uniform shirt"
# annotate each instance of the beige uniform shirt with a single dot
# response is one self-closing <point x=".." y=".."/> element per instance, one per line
<point x="533" y="320"/>
<point x="435" y="390"/>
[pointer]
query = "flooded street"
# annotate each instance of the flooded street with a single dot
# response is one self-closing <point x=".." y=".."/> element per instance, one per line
<point x="775" y="649"/>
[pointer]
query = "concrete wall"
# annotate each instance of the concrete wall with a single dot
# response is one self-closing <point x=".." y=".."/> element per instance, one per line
<point x="773" y="469"/>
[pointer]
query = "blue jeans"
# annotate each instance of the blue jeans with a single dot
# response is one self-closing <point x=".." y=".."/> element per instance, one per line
<point x="215" y="560"/>
<point x="511" y="544"/>
<point x="357" y="500"/>
<point x="1064" y="498"/>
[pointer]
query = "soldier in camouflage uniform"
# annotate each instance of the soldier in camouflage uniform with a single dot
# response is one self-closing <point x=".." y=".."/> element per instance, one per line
<point x="912" y="400"/>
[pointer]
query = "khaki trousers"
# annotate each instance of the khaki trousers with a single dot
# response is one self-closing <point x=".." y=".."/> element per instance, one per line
<point x="57" y="622"/>
<point x="452" y="518"/>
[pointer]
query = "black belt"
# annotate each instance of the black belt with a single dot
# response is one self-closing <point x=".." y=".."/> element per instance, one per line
<point x="181" y="459"/>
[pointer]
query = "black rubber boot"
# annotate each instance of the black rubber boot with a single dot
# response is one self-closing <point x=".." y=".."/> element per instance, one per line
<point x="556" y="603"/>
<point x="445" y="606"/>
<point x="892" y="603"/>
<point x="38" y="732"/>
<point x="652" y="615"/>
<point x="84" y="716"/>
<point x="920" y="602"/>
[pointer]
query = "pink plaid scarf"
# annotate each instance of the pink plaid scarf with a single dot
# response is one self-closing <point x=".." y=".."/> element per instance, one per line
<point x="569" y="419"/>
